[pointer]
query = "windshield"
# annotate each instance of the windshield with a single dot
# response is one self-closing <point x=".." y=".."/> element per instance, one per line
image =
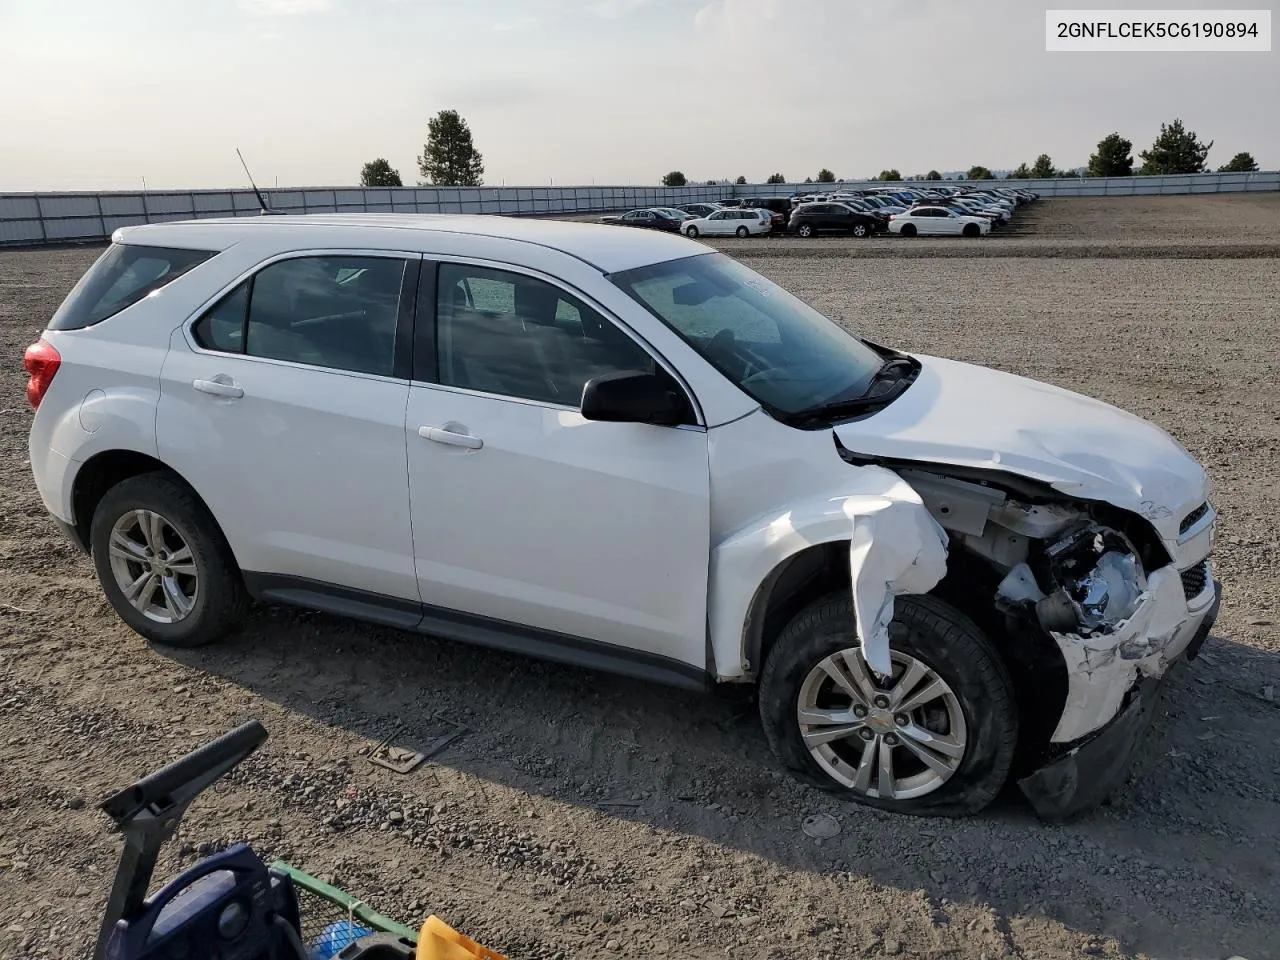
<point x="778" y="349"/>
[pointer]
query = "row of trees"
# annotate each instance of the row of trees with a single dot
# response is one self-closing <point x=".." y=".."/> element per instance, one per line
<point x="450" y="158"/>
<point x="1176" y="150"/>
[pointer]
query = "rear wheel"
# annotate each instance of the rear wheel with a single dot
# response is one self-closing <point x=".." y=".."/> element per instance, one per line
<point x="805" y="230"/>
<point x="936" y="737"/>
<point x="691" y="231"/>
<point x="742" y="232"/>
<point x="908" y="229"/>
<point x="972" y="230"/>
<point x="164" y="564"/>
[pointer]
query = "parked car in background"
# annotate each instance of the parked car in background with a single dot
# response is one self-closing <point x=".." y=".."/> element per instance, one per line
<point x="742" y="223"/>
<point x="626" y="452"/>
<point x="699" y="209"/>
<point x="653" y="218"/>
<point x="964" y="207"/>
<point x="812" y="219"/>
<point x="938" y="221"/>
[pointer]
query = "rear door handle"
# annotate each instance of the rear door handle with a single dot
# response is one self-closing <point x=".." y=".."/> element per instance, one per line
<point x="454" y="439"/>
<point x="219" y="386"/>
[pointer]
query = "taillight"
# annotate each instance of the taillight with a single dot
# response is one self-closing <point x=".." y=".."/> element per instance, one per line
<point x="42" y="362"/>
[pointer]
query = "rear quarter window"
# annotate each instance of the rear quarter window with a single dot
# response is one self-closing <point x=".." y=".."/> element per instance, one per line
<point x="123" y="275"/>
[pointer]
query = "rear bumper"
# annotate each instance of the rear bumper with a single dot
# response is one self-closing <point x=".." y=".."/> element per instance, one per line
<point x="1090" y="770"/>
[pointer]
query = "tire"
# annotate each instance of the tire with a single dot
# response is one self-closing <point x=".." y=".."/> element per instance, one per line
<point x="215" y="590"/>
<point x="908" y="230"/>
<point x="949" y="645"/>
<point x="805" y="230"/>
<point x="972" y="230"/>
<point x="861" y="231"/>
<point x="691" y="232"/>
<point x="742" y="232"/>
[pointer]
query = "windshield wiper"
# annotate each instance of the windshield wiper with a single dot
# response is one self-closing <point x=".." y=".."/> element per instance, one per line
<point x="866" y="401"/>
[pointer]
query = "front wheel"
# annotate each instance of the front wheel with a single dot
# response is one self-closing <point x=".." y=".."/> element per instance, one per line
<point x="691" y="231"/>
<point x="164" y="564"/>
<point x="972" y="230"/>
<point x="742" y="232"/>
<point x="860" y="230"/>
<point x="935" y="738"/>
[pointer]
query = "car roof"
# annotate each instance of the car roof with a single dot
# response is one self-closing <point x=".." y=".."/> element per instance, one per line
<point x="605" y="247"/>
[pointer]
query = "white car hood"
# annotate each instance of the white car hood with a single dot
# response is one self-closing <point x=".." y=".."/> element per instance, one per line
<point x="961" y="414"/>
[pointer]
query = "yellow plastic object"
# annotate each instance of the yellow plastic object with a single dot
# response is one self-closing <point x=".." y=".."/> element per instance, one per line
<point x="439" y="941"/>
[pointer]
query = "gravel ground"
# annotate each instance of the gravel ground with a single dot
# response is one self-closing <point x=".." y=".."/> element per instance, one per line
<point x="586" y="816"/>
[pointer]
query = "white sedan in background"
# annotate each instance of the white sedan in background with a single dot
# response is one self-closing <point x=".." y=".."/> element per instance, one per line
<point x="729" y="222"/>
<point x="938" y="221"/>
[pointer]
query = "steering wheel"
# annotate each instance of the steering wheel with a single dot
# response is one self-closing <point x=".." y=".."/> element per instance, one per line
<point x="725" y="343"/>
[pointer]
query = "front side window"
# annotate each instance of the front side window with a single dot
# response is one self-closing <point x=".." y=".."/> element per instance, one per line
<point x="516" y="336"/>
<point x="123" y="275"/>
<point x="339" y="312"/>
<point x="777" y="348"/>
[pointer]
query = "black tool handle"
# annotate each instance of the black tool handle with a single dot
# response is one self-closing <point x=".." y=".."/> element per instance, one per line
<point x="184" y="778"/>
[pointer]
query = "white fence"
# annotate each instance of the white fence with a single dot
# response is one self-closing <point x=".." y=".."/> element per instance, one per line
<point x="35" y="218"/>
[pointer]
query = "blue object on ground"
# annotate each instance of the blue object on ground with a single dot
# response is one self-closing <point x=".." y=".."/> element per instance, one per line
<point x="335" y="937"/>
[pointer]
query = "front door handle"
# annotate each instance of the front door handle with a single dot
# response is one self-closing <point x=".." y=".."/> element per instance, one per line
<point x="451" y="437"/>
<point x="219" y="386"/>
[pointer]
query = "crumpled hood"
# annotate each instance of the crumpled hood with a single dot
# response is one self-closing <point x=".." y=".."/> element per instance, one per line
<point x="962" y="414"/>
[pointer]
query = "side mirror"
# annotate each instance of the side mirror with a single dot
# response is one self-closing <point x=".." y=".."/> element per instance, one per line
<point x="631" y="397"/>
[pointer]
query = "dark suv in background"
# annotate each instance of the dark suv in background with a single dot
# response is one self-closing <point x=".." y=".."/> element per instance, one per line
<point x="811" y="219"/>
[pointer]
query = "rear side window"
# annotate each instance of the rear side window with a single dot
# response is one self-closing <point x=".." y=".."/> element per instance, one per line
<point x="122" y="276"/>
<point x="339" y="312"/>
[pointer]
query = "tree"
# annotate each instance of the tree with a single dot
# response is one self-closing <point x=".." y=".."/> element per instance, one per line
<point x="1176" y="150"/>
<point x="1020" y="172"/>
<point x="740" y="180"/>
<point x="776" y="178"/>
<point x="449" y="158"/>
<point x="674" y="179"/>
<point x="378" y="173"/>
<point x="711" y="183"/>
<point x="826" y="176"/>
<point x="889" y="175"/>
<point x="979" y="173"/>
<point x="1067" y="174"/>
<point x="1114" y="157"/>
<point x="1240" y="163"/>
<point x="1042" y="169"/>
<point x="808" y="179"/>
<point x="933" y="175"/>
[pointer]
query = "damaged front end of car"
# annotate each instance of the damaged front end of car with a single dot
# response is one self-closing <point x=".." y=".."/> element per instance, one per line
<point x="1090" y="605"/>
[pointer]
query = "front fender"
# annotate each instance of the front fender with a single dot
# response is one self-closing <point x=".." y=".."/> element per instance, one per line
<point x="895" y="547"/>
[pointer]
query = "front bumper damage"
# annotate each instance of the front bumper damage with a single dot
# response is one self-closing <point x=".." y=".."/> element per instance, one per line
<point x="1086" y="772"/>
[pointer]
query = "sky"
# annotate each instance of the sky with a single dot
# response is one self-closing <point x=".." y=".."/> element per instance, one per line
<point x="100" y="94"/>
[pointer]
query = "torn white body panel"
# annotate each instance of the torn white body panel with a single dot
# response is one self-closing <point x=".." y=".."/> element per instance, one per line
<point x="897" y="547"/>
<point x="778" y="491"/>
<point x="1102" y="669"/>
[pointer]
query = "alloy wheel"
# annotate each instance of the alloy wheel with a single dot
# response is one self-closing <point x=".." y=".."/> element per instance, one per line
<point x="153" y="566"/>
<point x="892" y="739"/>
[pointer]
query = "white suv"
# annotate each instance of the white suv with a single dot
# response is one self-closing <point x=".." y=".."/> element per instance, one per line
<point x="626" y="451"/>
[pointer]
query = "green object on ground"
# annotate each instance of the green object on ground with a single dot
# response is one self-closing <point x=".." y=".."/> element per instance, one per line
<point x="338" y="904"/>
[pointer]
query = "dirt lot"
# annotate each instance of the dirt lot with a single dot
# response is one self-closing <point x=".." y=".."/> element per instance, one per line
<point x="587" y="816"/>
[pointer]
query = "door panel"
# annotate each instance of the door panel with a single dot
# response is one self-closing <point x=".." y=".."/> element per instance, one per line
<point x="304" y="467"/>
<point x="595" y="530"/>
